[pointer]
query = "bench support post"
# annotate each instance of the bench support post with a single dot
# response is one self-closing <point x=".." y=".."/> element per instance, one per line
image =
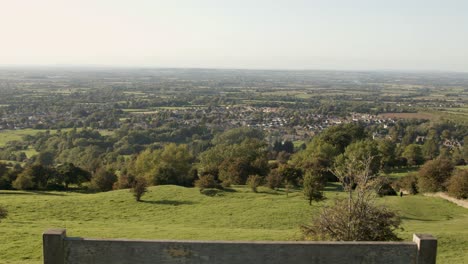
<point x="427" y="248"/>
<point x="53" y="244"/>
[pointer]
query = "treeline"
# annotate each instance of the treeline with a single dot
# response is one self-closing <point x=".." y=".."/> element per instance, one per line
<point x="86" y="159"/>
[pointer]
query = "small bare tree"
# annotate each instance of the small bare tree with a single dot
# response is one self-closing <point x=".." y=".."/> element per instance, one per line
<point x="357" y="217"/>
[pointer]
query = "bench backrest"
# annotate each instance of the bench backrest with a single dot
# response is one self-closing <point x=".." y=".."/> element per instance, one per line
<point x="60" y="249"/>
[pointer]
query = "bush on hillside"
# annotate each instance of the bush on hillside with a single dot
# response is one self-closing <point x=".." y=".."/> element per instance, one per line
<point x="274" y="180"/>
<point x="408" y="183"/>
<point x="433" y="175"/>
<point x="457" y="185"/>
<point x="253" y="181"/>
<point x="103" y="180"/>
<point x="23" y="182"/>
<point x="206" y="182"/>
<point x="357" y="221"/>
<point x="384" y="187"/>
<point x="140" y="187"/>
<point x="124" y="182"/>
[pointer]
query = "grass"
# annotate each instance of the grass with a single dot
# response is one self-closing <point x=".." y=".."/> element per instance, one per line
<point x="172" y="212"/>
<point x="11" y="135"/>
<point x="401" y="172"/>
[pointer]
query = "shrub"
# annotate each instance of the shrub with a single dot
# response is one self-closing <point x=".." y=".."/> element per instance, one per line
<point x="274" y="179"/>
<point x="253" y="181"/>
<point x="124" y="182"/>
<point x="433" y="174"/>
<point x="384" y="188"/>
<point x="226" y="184"/>
<point x="355" y="221"/>
<point x="206" y="182"/>
<point x="457" y="185"/>
<point x="408" y="183"/>
<point x="140" y="187"/>
<point x="103" y="180"/>
<point x="23" y="182"/>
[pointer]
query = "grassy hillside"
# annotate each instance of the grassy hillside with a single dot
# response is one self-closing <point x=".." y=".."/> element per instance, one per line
<point x="172" y="212"/>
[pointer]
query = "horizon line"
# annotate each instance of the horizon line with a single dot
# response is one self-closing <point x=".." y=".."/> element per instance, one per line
<point x="120" y="66"/>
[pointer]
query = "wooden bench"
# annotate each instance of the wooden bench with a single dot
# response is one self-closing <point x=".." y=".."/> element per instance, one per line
<point x="60" y="249"/>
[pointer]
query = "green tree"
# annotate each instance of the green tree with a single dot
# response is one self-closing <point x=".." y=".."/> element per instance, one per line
<point x="139" y="188"/>
<point x="234" y="163"/>
<point x="70" y="174"/>
<point x="170" y="165"/>
<point x="40" y="176"/>
<point x="253" y="181"/>
<point x="103" y="180"/>
<point x="237" y="136"/>
<point x="413" y="154"/>
<point x="46" y="158"/>
<point x="387" y="150"/>
<point x="313" y="186"/>
<point x="274" y="179"/>
<point x="23" y="182"/>
<point x="430" y="149"/>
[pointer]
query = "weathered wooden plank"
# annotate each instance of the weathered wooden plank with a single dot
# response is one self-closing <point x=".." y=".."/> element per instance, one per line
<point x="206" y="252"/>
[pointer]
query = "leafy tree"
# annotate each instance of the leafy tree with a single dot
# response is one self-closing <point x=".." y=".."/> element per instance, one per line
<point x="318" y="156"/>
<point x="290" y="174"/>
<point x="342" y="135"/>
<point x="433" y="175"/>
<point x="170" y="165"/>
<point x="234" y="163"/>
<point x="103" y="180"/>
<point x="70" y="174"/>
<point x="313" y="186"/>
<point x="237" y="136"/>
<point x="124" y="181"/>
<point x="274" y="179"/>
<point x="254" y="181"/>
<point x="46" y="158"/>
<point x="36" y="177"/>
<point x="413" y="154"/>
<point x="458" y="184"/>
<point x="139" y="188"/>
<point x="23" y="182"/>
<point x="206" y="182"/>
<point x="430" y="149"/>
<point x="387" y="151"/>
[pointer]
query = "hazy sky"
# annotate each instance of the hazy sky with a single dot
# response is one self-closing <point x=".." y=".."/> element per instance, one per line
<point x="285" y="34"/>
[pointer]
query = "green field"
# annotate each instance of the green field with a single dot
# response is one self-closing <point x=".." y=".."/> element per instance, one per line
<point x="11" y="135"/>
<point x="171" y="212"/>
